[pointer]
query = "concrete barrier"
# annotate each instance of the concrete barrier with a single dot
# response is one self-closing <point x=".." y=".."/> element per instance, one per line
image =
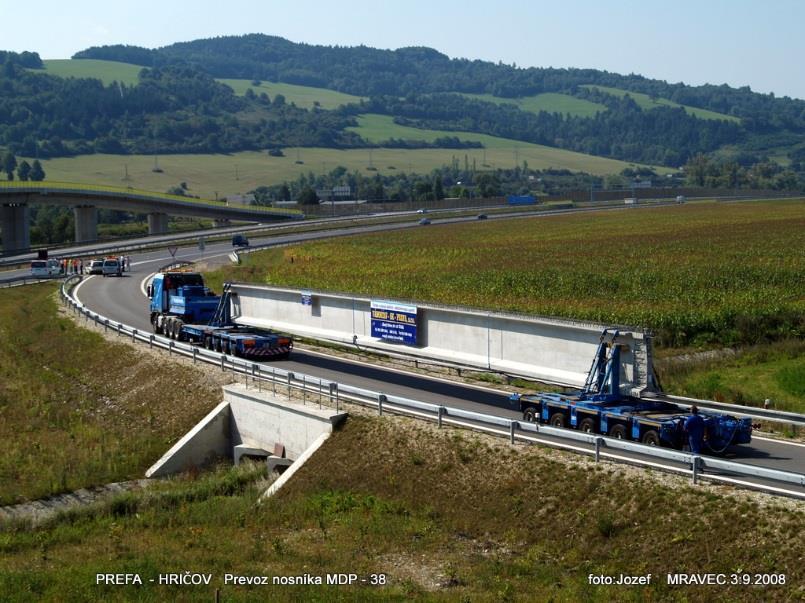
<point x="248" y="422"/>
<point x="548" y="349"/>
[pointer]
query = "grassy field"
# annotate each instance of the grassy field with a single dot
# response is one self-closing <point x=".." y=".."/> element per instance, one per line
<point x="77" y="411"/>
<point x="645" y="102"/>
<point x="744" y="376"/>
<point x="482" y="521"/>
<point x="697" y="273"/>
<point x="302" y="96"/>
<point x="221" y="175"/>
<point x="106" y="71"/>
<point x="549" y="101"/>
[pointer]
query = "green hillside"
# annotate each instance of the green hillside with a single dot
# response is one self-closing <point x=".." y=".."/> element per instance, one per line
<point x="303" y="96"/>
<point x="106" y="71"/>
<point x="644" y="101"/>
<point x="549" y="101"/>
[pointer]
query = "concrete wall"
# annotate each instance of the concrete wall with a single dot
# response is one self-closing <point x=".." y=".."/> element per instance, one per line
<point x="248" y="418"/>
<point x="551" y="350"/>
<point x="262" y="419"/>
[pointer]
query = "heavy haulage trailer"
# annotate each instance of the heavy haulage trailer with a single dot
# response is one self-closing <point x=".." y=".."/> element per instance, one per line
<point x="183" y="308"/>
<point x="601" y="408"/>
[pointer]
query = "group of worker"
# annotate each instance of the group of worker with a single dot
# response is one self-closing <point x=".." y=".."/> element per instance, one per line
<point x="76" y="265"/>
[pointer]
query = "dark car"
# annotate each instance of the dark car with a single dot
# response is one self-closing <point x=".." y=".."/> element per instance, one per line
<point x="240" y="241"/>
<point x="424" y="222"/>
<point x="480" y="217"/>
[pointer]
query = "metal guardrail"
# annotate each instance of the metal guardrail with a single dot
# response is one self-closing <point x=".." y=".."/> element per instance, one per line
<point x="754" y="412"/>
<point x="19" y="281"/>
<point x="282" y="380"/>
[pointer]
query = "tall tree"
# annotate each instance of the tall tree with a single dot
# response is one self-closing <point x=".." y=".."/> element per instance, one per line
<point x="9" y="165"/>
<point x="24" y="170"/>
<point x="37" y="173"/>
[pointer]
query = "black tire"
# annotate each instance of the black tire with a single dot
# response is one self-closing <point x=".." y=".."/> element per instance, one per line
<point x="155" y="324"/>
<point x="218" y="347"/>
<point x="531" y="414"/>
<point x="651" y="438"/>
<point x="179" y="334"/>
<point x="618" y="432"/>
<point x="587" y="425"/>
<point x="557" y="420"/>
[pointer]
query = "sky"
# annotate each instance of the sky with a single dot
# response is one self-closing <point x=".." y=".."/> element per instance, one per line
<point x="752" y="43"/>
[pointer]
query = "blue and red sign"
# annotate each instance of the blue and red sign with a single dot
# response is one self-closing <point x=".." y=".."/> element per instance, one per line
<point x="394" y="322"/>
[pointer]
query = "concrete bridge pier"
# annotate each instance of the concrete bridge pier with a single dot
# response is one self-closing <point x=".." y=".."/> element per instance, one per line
<point x="220" y="223"/>
<point x="157" y="223"/>
<point x="86" y="223"/>
<point x="15" y="223"/>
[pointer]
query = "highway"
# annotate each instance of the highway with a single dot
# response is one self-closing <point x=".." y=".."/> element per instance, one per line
<point x="123" y="300"/>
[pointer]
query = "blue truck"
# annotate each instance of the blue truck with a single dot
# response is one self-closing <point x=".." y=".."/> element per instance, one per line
<point x="601" y="408"/>
<point x="183" y="308"/>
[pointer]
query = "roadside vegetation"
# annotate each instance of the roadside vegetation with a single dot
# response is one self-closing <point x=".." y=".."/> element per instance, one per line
<point x="481" y="521"/>
<point x="77" y="410"/>
<point x="697" y="274"/>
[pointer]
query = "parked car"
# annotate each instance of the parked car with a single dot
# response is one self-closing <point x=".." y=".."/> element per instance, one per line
<point x="111" y="267"/>
<point x="45" y="268"/>
<point x="240" y="241"/>
<point x="424" y="222"/>
<point x="95" y="267"/>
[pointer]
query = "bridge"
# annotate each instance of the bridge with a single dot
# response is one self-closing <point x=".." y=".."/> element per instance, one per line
<point x="85" y="199"/>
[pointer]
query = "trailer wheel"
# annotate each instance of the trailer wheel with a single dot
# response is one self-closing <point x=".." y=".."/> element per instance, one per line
<point x="557" y="419"/>
<point x="587" y="425"/>
<point x="618" y="432"/>
<point x="530" y="414"/>
<point x="651" y="438"/>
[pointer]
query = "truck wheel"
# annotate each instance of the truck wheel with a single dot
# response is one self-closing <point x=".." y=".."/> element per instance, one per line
<point x="618" y="432"/>
<point x="557" y="419"/>
<point x="178" y="327"/>
<point x="651" y="438"/>
<point x="587" y="425"/>
<point x="530" y="414"/>
<point x="155" y="325"/>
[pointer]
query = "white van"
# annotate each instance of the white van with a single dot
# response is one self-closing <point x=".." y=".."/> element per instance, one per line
<point x="45" y="268"/>
<point x="111" y="267"/>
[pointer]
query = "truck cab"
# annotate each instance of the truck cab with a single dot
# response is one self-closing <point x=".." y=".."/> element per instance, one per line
<point x="181" y="295"/>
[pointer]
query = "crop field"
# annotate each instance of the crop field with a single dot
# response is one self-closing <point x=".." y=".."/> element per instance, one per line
<point x="645" y="102"/>
<point x="551" y="102"/>
<point x="302" y="96"/>
<point x="106" y="71"/>
<point x="211" y="176"/>
<point x="697" y="273"/>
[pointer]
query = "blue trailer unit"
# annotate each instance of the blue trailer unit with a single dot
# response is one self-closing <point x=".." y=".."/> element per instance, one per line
<point x="178" y="298"/>
<point x="184" y="309"/>
<point x="601" y="408"/>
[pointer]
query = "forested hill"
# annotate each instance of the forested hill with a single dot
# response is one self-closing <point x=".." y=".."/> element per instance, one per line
<point x="367" y="71"/>
<point x="177" y="105"/>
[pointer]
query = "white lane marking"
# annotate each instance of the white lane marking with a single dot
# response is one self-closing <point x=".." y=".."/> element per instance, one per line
<point x="78" y="286"/>
<point x="776" y="441"/>
<point x="143" y="283"/>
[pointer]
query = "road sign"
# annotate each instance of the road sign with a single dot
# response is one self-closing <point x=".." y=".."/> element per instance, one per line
<point x="172" y="251"/>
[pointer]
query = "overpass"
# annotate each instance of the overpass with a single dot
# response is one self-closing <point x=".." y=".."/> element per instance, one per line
<point x="85" y="199"/>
